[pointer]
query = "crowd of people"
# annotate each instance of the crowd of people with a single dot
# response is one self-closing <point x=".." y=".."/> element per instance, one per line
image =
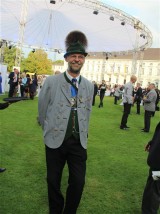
<point x="22" y="83"/>
<point x="129" y="94"/>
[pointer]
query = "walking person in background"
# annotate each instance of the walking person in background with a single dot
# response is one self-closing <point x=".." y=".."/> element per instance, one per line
<point x="149" y="106"/>
<point x="65" y="103"/>
<point x="95" y="92"/>
<point x="128" y="99"/>
<point x="116" y="94"/>
<point x="138" y="97"/>
<point x="151" y="194"/>
<point x="102" y="89"/>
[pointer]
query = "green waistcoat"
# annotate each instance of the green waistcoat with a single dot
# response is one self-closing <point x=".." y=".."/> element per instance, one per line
<point x="72" y="131"/>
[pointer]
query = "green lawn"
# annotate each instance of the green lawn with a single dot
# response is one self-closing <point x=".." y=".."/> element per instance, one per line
<point x="116" y="165"/>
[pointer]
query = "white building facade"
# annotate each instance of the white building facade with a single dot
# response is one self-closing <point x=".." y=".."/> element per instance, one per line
<point x="117" y="70"/>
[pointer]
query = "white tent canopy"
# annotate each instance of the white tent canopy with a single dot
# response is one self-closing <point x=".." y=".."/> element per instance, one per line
<point x="40" y="24"/>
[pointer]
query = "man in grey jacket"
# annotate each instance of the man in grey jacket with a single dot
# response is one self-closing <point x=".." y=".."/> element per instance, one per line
<point x="149" y="106"/>
<point x="65" y="103"/>
<point x="128" y="98"/>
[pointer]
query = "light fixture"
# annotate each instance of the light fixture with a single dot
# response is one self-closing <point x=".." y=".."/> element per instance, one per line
<point x="111" y="18"/>
<point x="59" y="51"/>
<point x="52" y="2"/>
<point x="123" y="23"/>
<point x="142" y="35"/>
<point x="95" y="12"/>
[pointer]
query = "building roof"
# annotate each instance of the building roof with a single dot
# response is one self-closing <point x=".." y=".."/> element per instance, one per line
<point x="149" y="54"/>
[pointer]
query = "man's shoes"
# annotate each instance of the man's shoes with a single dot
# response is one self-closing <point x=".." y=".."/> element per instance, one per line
<point x="123" y="128"/>
<point x="127" y="127"/>
<point x="144" y="130"/>
<point x="2" y="169"/>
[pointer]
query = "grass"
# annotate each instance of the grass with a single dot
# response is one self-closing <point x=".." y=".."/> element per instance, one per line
<point x="116" y="165"/>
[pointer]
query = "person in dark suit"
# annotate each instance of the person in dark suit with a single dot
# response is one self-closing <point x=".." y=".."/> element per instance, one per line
<point x="64" y="107"/>
<point x="138" y="97"/>
<point x="151" y="194"/>
<point x="95" y="92"/>
<point x="13" y="82"/>
<point x="157" y="101"/>
<point x="102" y="89"/>
<point x="128" y="100"/>
<point x="149" y="106"/>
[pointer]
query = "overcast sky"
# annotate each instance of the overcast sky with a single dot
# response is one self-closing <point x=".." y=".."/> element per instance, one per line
<point x="147" y="11"/>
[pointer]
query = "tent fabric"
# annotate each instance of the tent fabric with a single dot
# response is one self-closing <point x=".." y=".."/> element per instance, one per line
<point x="46" y="25"/>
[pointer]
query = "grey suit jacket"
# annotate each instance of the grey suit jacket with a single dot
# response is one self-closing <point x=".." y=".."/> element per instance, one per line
<point x="54" y="107"/>
<point x="128" y="93"/>
<point x="150" y="102"/>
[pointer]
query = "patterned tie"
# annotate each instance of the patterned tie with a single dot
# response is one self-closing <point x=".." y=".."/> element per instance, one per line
<point x="73" y="90"/>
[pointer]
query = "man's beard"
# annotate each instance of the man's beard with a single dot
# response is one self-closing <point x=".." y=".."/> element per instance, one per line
<point x="72" y="70"/>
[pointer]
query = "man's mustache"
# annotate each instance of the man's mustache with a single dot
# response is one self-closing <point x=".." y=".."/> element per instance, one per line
<point x="76" y="63"/>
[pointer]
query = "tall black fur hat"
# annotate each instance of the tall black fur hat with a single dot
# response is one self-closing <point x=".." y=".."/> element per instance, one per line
<point x="76" y="42"/>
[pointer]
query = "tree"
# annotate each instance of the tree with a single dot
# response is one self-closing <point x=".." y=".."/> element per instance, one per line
<point x="9" y="57"/>
<point x="58" y="62"/>
<point x="37" y="62"/>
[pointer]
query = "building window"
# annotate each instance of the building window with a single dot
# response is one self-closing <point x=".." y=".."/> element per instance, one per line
<point x="142" y="71"/>
<point x="158" y="72"/>
<point x="150" y="71"/>
<point x="126" y="70"/>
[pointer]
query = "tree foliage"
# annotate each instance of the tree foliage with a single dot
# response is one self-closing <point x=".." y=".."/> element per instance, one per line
<point x="58" y="62"/>
<point x="9" y="57"/>
<point x="37" y="62"/>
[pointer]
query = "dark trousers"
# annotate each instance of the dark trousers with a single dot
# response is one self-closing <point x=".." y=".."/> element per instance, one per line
<point x="151" y="196"/>
<point x="22" y="89"/>
<point x="138" y="107"/>
<point x="147" y="120"/>
<point x="75" y="155"/>
<point x="126" y="112"/>
<point x="93" y="101"/>
<point x="101" y="99"/>
<point x="116" y="99"/>
<point x="11" y="89"/>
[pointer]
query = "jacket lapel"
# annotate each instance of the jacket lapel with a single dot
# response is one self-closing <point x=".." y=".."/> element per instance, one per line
<point x="65" y="87"/>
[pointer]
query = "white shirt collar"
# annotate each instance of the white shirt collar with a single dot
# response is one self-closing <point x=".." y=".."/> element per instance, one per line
<point x="70" y="77"/>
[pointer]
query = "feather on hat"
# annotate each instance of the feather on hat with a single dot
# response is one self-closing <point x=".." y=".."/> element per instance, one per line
<point x="76" y="42"/>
